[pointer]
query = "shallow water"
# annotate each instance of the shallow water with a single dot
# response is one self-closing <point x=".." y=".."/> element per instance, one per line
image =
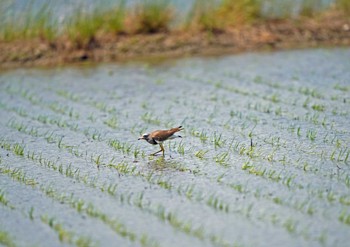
<point x="72" y="170"/>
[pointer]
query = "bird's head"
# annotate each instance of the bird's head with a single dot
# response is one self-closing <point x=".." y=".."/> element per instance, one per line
<point x="143" y="137"/>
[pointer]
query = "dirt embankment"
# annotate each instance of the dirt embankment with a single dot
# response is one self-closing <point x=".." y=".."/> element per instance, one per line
<point x="329" y="30"/>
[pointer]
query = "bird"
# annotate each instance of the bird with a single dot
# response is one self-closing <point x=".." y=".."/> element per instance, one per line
<point x="159" y="136"/>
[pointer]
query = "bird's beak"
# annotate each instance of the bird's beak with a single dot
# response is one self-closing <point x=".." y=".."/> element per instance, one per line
<point x="141" y="138"/>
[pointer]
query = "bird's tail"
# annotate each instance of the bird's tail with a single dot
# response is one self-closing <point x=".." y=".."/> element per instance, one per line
<point x="173" y="130"/>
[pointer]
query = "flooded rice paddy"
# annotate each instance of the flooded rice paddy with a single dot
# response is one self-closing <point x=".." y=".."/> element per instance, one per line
<point x="264" y="158"/>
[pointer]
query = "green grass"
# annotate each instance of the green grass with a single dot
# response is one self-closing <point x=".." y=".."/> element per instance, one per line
<point x="211" y="16"/>
<point x="28" y="23"/>
<point x="84" y="28"/>
<point x="343" y="5"/>
<point x="151" y="16"/>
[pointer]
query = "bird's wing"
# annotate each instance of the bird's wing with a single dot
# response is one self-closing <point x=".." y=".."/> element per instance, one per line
<point x="162" y="135"/>
<point x="159" y="135"/>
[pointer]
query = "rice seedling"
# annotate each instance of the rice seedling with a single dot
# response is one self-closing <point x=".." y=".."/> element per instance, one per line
<point x="311" y="134"/>
<point x="181" y="148"/>
<point x="337" y="86"/>
<point x="6" y="239"/>
<point x="31" y="214"/>
<point x="238" y="187"/>
<point x="201" y="135"/>
<point x="3" y="200"/>
<point x="201" y="153"/>
<point x="164" y="184"/>
<point x="123" y="168"/>
<point x="318" y="107"/>
<point x="111" y="122"/>
<point x="19" y="175"/>
<point x="97" y="159"/>
<point x="344" y="200"/>
<point x="18" y="149"/>
<point x="149" y="118"/>
<point x="218" y="140"/>
<point x="344" y="217"/>
<point x="312" y="92"/>
<point x="222" y="158"/>
<point x="83" y="207"/>
<point x="290" y="226"/>
<point x="218" y="204"/>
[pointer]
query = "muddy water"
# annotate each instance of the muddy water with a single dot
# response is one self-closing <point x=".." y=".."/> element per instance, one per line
<point x="73" y="172"/>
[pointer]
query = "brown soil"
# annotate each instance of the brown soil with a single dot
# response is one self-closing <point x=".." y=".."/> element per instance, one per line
<point x="330" y="29"/>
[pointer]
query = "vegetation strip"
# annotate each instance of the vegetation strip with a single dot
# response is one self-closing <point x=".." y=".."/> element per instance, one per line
<point x="120" y="32"/>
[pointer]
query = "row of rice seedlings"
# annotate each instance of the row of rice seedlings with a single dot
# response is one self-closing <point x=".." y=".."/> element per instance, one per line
<point x="68" y="95"/>
<point x="49" y="136"/>
<point x="25" y="94"/>
<point x="70" y="171"/>
<point x="101" y="106"/>
<point x="340" y="153"/>
<point x="45" y="119"/>
<point x="24" y="128"/>
<point x="18" y="110"/>
<point x="307" y="91"/>
<point x="88" y="208"/>
<point x="57" y="121"/>
<point x="111" y="121"/>
<point x="54" y="165"/>
<point x="220" y="205"/>
<point x="126" y="148"/>
<point x="64" y="110"/>
<point x="6" y="239"/>
<point x="278" y="111"/>
<point x="17" y="174"/>
<point x="66" y="236"/>
<point x="186" y="226"/>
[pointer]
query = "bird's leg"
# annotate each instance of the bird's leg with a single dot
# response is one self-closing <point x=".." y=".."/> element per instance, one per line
<point x="161" y="150"/>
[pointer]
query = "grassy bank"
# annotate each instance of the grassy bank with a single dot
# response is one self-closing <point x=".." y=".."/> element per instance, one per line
<point x="150" y="16"/>
<point x="95" y="28"/>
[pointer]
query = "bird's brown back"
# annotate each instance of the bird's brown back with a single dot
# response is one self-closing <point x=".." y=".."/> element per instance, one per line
<point x="162" y="135"/>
